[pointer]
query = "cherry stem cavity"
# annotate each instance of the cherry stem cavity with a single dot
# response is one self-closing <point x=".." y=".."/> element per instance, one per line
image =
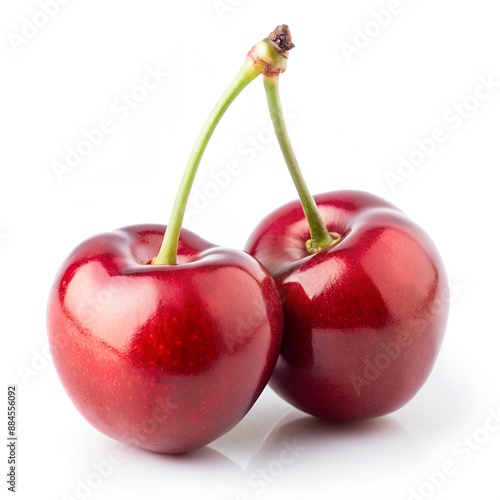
<point x="268" y="57"/>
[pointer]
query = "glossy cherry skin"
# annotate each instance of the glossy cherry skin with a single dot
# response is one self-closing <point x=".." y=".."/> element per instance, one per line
<point x="168" y="358"/>
<point x="364" y="320"/>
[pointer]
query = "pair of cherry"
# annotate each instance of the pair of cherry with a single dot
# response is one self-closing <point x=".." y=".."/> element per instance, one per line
<point x="165" y="341"/>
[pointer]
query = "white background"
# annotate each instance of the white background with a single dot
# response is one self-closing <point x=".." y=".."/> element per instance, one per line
<point x="351" y="119"/>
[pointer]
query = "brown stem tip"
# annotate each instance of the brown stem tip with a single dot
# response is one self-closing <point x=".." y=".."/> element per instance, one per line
<point x="282" y="39"/>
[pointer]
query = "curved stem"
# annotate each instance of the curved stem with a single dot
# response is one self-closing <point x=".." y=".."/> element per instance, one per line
<point x="267" y="57"/>
<point x="320" y="237"/>
<point x="168" y="250"/>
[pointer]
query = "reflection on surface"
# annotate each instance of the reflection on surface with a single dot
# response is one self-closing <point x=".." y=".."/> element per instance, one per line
<point x="203" y="474"/>
<point x="292" y="454"/>
<point x="302" y="451"/>
<point x="278" y="452"/>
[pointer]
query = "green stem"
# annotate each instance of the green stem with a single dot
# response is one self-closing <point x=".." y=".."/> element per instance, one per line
<point x="268" y="57"/>
<point x="320" y="237"/>
<point x="168" y="250"/>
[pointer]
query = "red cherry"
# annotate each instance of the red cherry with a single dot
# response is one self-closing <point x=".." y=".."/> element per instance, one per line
<point x="160" y="338"/>
<point x="165" y="357"/>
<point x="365" y="317"/>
